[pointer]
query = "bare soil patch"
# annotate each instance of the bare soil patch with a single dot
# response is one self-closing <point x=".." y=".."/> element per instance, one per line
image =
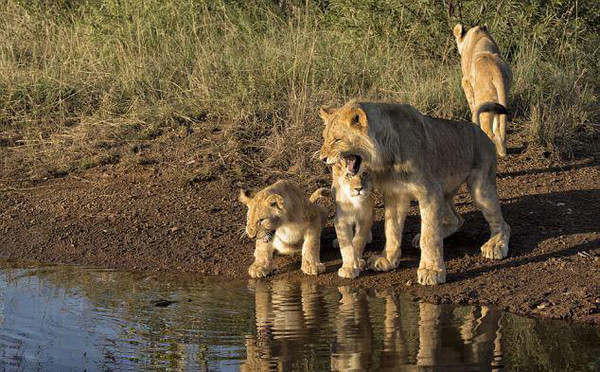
<point x="147" y="216"/>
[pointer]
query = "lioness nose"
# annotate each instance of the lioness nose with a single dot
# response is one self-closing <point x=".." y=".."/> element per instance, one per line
<point x="358" y="189"/>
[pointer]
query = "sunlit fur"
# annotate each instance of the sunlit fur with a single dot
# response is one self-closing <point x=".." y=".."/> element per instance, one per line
<point x="281" y="218"/>
<point x="486" y="78"/>
<point x="416" y="157"/>
<point x="353" y="217"/>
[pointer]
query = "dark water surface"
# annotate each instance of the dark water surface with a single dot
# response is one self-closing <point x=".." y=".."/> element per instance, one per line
<point x="61" y="318"/>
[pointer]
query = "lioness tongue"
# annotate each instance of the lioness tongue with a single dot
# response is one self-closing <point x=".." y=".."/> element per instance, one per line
<point x="350" y="161"/>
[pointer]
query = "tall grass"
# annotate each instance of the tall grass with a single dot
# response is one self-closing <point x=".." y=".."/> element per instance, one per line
<point x="81" y="82"/>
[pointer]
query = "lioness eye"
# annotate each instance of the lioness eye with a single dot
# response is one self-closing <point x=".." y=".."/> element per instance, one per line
<point x="336" y="141"/>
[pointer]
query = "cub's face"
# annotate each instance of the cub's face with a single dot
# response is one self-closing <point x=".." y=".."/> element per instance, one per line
<point x="345" y="137"/>
<point x="266" y="211"/>
<point x="354" y="185"/>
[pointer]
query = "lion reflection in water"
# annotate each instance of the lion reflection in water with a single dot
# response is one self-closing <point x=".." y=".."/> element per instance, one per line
<point x="294" y="320"/>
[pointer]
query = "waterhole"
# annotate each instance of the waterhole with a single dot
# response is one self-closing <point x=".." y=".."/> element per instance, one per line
<point x="61" y="318"/>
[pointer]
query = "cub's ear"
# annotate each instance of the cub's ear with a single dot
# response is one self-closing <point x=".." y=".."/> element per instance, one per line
<point x="244" y="197"/>
<point x="275" y="201"/>
<point x="325" y="111"/>
<point x="459" y="31"/>
<point x="357" y="118"/>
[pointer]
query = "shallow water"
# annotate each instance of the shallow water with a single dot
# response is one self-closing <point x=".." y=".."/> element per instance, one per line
<point x="61" y="318"/>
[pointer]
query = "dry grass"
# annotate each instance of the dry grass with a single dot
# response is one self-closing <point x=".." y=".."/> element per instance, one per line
<point x="83" y="84"/>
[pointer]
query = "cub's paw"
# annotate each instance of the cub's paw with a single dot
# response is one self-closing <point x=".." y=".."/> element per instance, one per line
<point x="496" y="248"/>
<point x="416" y="241"/>
<point x="381" y="263"/>
<point x="348" y="272"/>
<point x="431" y="277"/>
<point x="312" y="268"/>
<point x="335" y="244"/>
<point x="259" y="270"/>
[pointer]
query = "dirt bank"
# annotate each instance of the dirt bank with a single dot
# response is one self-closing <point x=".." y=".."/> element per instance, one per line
<point x="144" y="217"/>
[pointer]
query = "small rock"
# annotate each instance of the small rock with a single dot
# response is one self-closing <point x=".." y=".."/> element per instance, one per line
<point x="543" y="305"/>
<point x="560" y="204"/>
<point x="174" y="229"/>
<point x="163" y="303"/>
<point x="409" y="283"/>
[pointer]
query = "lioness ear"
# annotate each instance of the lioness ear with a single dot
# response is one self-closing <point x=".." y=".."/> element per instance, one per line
<point x="358" y="117"/>
<point x="459" y="31"/>
<point x="275" y="200"/>
<point x="244" y="197"/>
<point x="325" y="111"/>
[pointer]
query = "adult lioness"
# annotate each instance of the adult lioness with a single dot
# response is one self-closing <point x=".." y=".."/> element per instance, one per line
<point x="486" y="78"/>
<point x="413" y="156"/>
<point x="354" y="215"/>
<point x="281" y="218"/>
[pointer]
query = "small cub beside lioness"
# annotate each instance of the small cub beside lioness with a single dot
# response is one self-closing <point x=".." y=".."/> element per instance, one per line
<point x="352" y="190"/>
<point x="281" y="218"/>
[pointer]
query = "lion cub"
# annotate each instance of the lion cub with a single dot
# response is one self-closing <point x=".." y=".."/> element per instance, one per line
<point x="281" y="218"/>
<point x="352" y="186"/>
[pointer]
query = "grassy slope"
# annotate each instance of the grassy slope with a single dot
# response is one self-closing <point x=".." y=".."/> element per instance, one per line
<point x="87" y="83"/>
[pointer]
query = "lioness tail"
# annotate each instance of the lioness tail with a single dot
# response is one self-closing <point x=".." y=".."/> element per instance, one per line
<point x="323" y="192"/>
<point x="490" y="107"/>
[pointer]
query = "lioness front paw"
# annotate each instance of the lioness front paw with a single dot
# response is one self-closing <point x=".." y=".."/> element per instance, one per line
<point x="431" y="277"/>
<point x="348" y="272"/>
<point x="381" y="263"/>
<point x="259" y="270"/>
<point x="416" y="242"/>
<point x="312" y="268"/>
<point x="496" y="248"/>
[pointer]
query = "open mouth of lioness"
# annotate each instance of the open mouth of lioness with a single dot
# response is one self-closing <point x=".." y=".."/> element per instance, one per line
<point x="353" y="163"/>
<point x="268" y="236"/>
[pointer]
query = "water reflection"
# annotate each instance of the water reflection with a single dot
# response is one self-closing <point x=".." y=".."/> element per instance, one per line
<point x="56" y="318"/>
<point x="370" y="330"/>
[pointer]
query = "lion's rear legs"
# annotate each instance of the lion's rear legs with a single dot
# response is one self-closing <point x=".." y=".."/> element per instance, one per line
<point x="451" y="222"/>
<point x="396" y="209"/>
<point x="483" y="191"/>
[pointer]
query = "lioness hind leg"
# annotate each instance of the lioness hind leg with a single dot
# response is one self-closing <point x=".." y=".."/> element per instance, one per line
<point x="482" y="188"/>
<point x="451" y="222"/>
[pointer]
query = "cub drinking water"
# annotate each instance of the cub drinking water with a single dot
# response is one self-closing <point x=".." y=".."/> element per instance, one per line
<point x="281" y="218"/>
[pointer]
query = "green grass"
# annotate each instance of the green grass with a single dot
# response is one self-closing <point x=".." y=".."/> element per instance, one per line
<point x="83" y="82"/>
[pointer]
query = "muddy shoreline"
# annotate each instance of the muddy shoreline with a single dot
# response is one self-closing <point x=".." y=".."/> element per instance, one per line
<point x="146" y="219"/>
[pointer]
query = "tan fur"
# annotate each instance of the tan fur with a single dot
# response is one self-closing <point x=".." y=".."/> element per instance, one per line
<point x="282" y="219"/>
<point x="486" y="78"/>
<point x="416" y="157"/>
<point x="353" y="218"/>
